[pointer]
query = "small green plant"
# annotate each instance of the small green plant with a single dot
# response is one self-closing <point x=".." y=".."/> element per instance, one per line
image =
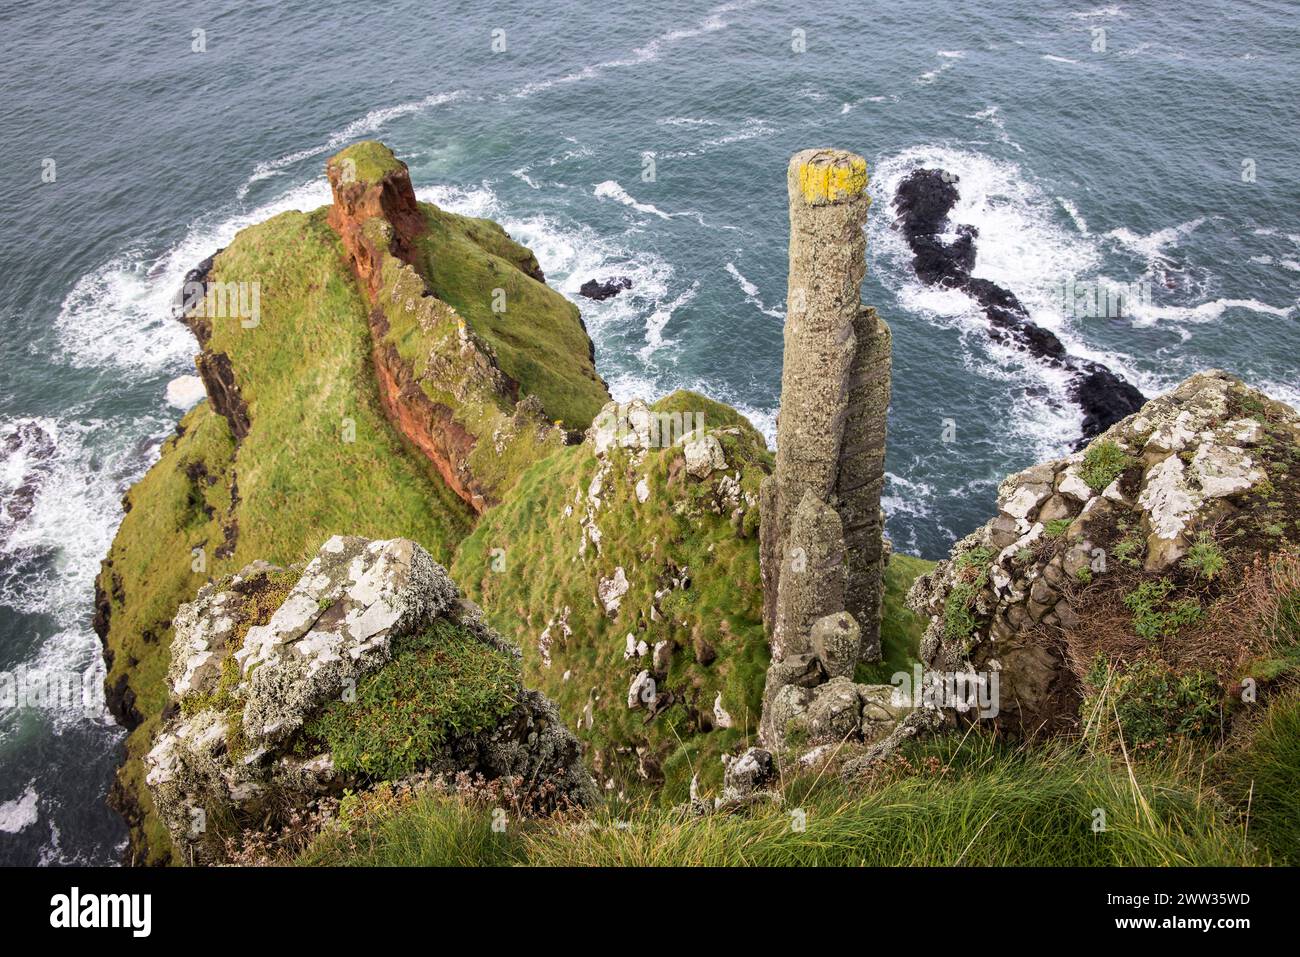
<point x="1057" y="527"/>
<point x="1204" y="558"/>
<point x="958" y="617"/>
<point x="1084" y="574"/>
<point x="1152" y="702"/>
<point x="975" y="558"/>
<point x="1154" y="615"/>
<point x="1102" y="464"/>
<point x="1128" y="551"/>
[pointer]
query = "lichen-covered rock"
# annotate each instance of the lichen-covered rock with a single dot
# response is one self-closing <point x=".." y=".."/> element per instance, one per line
<point x="704" y="456"/>
<point x="1199" y="480"/>
<point x="747" y="775"/>
<point x="834" y="712"/>
<point x="835" y="642"/>
<point x="259" y="658"/>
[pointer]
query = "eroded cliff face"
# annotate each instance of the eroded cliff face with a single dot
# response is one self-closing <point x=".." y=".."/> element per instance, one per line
<point x="441" y="381"/>
<point x="297" y="443"/>
<point x="1131" y="568"/>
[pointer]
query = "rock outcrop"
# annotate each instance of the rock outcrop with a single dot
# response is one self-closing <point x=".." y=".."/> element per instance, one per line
<point x="271" y="676"/>
<point x="441" y="381"/>
<point x="600" y="290"/>
<point x="823" y="549"/>
<point x="923" y="201"/>
<point x="1118" y="551"/>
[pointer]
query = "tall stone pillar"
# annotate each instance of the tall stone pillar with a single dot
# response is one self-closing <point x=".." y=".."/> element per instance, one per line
<point x="861" y="478"/>
<point x="831" y="430"/>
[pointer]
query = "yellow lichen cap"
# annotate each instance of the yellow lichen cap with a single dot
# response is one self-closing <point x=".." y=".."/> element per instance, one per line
<point x="824" y="176"/>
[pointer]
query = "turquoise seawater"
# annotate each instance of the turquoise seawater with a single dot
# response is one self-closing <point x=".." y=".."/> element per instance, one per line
<point x="1120" y="162"/>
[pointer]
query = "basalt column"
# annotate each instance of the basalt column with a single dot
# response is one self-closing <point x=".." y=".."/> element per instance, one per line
<point x="822" y="532"/>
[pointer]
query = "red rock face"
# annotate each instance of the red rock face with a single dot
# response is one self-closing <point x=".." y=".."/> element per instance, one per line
<point x="392" y="200"/>
<point x="429" y="426"/>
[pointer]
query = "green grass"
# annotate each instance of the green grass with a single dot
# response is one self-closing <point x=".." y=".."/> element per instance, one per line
<point x="442" y="684"/>
<point x="1204" y="558"/>
<point x="1057" y="527"/>
<point x="1155" y="615"/>
<point x="302" y="370"/>
<point x="900" y="628"/>
<point x="371" y="161"/>
<point x="522" y="565"/>
<point x="538" y="337"/>
<point x="970" y="801"/>
<point x="1103" y="463"/>
<point x="1264" y="778"/>
<point x="1151" y="702"/>
<point x="958" y="611"/>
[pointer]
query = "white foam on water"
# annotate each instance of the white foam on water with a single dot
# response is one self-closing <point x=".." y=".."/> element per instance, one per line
<point x="1288" y="392"/>
<point x="1144" y="315"/>
<point x="612" y="190"/>
<point x="751" y="294"/>
<point x="570" y="254"/>
<point x="1108" y="11"/>
<point x="120" y="314"/>
<point x="477" y="201"/>
<point x="685" y="121"/>
<point x="522" y="174"/>
<point x="185" y="391"/>
<point x="1023" y="246"/>
<point x="75" y="512"/>
<point x="713" y="21"/>
<point x="659" y="319"/>
<point x="948" y="60"/>
<point x="1058" y="59"/>
<point x="51" y="557"/>
<point x="372" y="122"/>
<point x="1076" y="217"/>
<point x="991" y="116"/>
<point x="20" y="813"/>
<point x="751" y="128"/>
<point x="1154" y="246"/>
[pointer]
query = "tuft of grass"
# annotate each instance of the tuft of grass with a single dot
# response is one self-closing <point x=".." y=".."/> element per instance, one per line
<point x="442" y="684"/>
<point x="958" y="616"/>
<point x="1204" y="558"/>
<point x="948" y="802"/>
<point x="1057" y="527"/>
<point x="1263" y="778"/>
<point x="1103" y="463"/>
<point x="1151" y="701"/>
<point x="1128" y="551"/>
